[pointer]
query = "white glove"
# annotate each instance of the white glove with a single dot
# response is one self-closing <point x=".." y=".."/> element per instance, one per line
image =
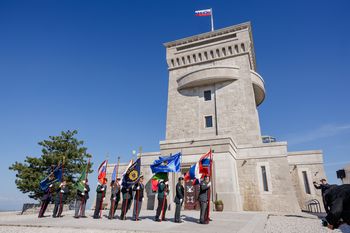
<point x="50" y="186"/>
<point x="180" y="200"/>
<point x="85" y="189"/>
<point x="62" y="191"/>
<point x="60" y="184"/>
<point x="138" y="188"/>
<point x="209" y="183"/>
<point x="114" y="198"/>
<point x="166" y="182"/>
<point x="143" y="199"/>
<point x="102" y="189"/>
<point x="104" y="198"/>
<point x="83" y="194"/>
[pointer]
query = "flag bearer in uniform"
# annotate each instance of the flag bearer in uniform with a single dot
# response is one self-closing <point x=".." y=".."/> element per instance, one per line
<point x="61" y="197"/>
<point x="45" y="201"/>
<point x="115" y="197"/>
<point x="127" y="199"/>
<point x="179" y="199"/>
<point x="203" y="200"/>
<point x="101" y="192"/>
<point x="163" y="190"/>
<point x="138" y="198"/>
<point x="81" y="199"/>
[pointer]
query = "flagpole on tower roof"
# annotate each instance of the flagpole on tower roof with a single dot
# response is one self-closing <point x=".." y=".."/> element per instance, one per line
<point x="212" y="19"/>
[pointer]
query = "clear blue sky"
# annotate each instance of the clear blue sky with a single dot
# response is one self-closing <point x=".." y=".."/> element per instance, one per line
<point x="99" y="67"/>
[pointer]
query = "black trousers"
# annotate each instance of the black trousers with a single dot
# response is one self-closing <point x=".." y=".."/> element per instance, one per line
<point x="161" y="202"/>
<point x="125" y="207"/>
<point x="98" y="206"/>
<point x="203" y="212"/>
<point x="57" y="210"/>
<point x="178" y="212"/>
<point x="43" y="208"/>
<point x="111" y="215"/>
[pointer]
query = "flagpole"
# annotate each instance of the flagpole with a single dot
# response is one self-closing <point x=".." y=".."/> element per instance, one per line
<point x="211" y="178"/>
<point x="60" y="210"/>
<point x="116" y="180"/>
<point x="84" y="198"/>
<point x="212" y="19"/>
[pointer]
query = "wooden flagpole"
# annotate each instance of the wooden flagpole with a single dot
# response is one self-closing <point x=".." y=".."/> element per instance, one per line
<point x="116" y="180"/>
<point x="60" y="210"/>
<point x="84" y="197"/>
<point x="138" y="191"/>
<point x="103" y="194"/>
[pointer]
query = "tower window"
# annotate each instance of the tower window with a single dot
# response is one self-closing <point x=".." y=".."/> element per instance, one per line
<point x="208" y="121"/>
<point x="264" y="179"/>
<point x="207" y="95"/>
<point x="306" y="183"/>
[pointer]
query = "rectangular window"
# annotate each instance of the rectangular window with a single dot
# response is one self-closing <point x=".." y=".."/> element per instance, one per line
<point x="208" y="121"/>
<point x="306" y="183"/>
<point x="207" y="95"/>
<point x="264" y="178"/>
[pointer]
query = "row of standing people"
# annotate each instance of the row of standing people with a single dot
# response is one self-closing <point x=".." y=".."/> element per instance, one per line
<point x="127" y="198"/>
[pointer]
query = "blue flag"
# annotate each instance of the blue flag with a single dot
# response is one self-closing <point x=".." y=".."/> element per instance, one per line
<point x="114" y="174"/>
<point x="167" y="164"/>
<point x="132" y="175"/>
<point x="54" y="176"/>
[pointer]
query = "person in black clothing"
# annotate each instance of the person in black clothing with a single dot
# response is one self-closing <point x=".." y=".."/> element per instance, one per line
<point x="115" y="197"/>
<point x="81" y="200"/>
<point x="163" y="191"/>
<point x="179" y="198"/>
<point x="203" y="199"/>
<point x="45" y="201"/>
<point x="138" y="198"/>
<point x="127" y="199"/>
<point x="61" y="197"/>
<point x="338" y="200"/>
<point x="101" y="192"/>
<point x="323" y="186"/>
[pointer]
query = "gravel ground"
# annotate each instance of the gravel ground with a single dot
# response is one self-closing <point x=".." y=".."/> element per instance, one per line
<point x="299" y="224"/>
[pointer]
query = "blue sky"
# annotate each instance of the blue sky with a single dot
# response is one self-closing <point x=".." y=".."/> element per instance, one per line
<point x="99" y="67"/>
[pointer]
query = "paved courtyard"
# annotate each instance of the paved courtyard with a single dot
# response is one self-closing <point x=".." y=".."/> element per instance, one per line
<point x="242" y="222"/>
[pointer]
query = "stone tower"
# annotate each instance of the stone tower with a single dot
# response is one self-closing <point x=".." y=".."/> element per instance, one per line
<point x="214" y="89"/>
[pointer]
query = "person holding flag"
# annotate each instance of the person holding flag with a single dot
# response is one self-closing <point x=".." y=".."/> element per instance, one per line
<point x="46" y="199"/>
<point x="203" y="199"/>
<point x="115" y="197"/>
<point x="130" y="177"/>
<point x="138" y="198"/>
<point x="81" y="199"/>
<point x="61" y="197"/>
<point x="163" y="192"/>
<point x="101" y="189"/>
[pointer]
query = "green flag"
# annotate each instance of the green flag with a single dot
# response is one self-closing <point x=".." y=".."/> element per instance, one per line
<point x="80" y="183"/>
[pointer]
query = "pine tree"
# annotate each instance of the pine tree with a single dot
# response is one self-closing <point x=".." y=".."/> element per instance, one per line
<point x="54" y="150"/>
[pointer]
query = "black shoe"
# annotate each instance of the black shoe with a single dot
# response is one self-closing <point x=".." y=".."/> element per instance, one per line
<point x="76" y="216"/>
<point x="83" y="216"/>
<point x="164" y="220"/>
<point x="54" y="216"/>
<point x="157" y="219"/>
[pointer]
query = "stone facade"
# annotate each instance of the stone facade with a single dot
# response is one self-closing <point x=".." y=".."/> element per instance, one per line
<point x="213" y="94"/>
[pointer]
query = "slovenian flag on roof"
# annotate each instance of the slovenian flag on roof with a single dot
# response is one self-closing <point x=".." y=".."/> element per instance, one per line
<point x="206" y="12"/>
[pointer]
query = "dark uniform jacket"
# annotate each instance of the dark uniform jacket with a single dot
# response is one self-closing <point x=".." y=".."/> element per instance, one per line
<point x="115" y="192"/>
<point x="127" y="193"/>
<point x="162" y="188"/>
<point x="101" y="193"/>
<point x="140" y="191"/>
<point x="203" y="191"/>
<point x="80" y="195"/>
<point x="180" y="192"/>
<point x="338" y="200"/>
<point x="323" y="187"/>
<point x="48" y="195"/>
<point x="63" y="194"/>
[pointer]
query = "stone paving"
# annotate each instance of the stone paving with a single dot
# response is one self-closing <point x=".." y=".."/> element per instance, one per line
<point x="240" y="222"/>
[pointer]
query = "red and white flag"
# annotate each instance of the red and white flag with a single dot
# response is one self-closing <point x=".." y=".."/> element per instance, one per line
<point x="206" y="12"/>
<point x="102" y="171"/>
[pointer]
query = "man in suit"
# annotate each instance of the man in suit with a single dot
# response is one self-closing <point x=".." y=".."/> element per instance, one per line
<point x="81" y="200"/>
<point x="127" y="200"/>
<point x="46" y="199"/>
<point x="179" y="199"/>
<point x="61" y="197"/>
<point x="100" y="195"/>
<point x="138" y="198"/>
<point x="203" y="199"/>
<point x="338" y="200"/>
<point x="115" y="198"/>
<point x="163" y="191"/>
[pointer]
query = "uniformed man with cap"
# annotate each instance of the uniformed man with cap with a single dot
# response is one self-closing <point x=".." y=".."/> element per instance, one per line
<point x="81" y="200"/>
<point x="100" y="195"/>
<point x="127" y="200"/>
<point x="46" y="199"/>
<point x="163" y="191"/>
<point x="115" y="197"/>
<point x="203" y="200"/>
<point x="138" y="198"/>
<point x="179" y="199"/>
<point x="61" y="197"/>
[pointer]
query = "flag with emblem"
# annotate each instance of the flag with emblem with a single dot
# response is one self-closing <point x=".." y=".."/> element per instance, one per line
<point x="54" y="176"/>
<point x="167" y="164"/>
<point x="132" y="175"/>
